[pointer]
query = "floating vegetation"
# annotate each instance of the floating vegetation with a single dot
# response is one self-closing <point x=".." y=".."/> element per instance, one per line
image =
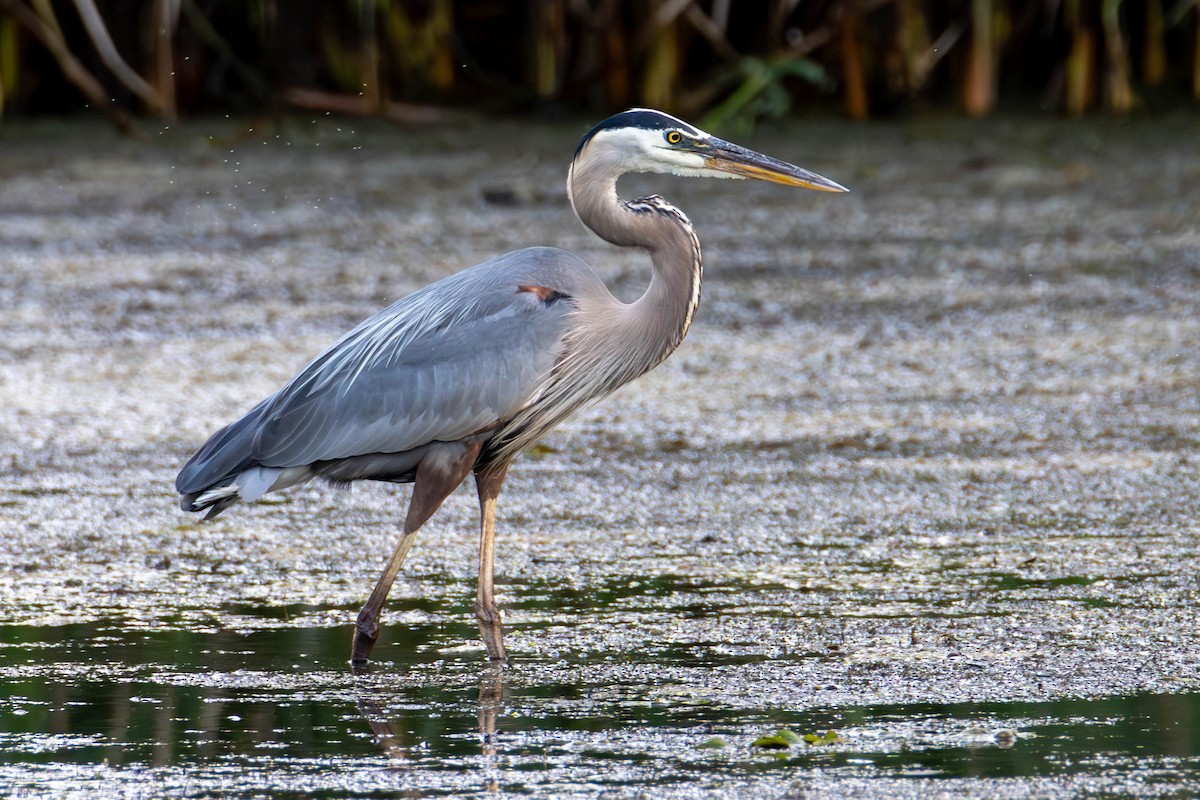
<point x="785" y="739"/>
<point x="715" y="743"/>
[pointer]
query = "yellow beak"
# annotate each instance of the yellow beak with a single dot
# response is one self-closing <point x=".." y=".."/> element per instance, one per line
<point x="744" y="163"/>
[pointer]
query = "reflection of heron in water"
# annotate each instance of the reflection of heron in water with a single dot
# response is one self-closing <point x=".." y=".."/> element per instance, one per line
<point x="491" y="706"/>
<point x="462" y="375"/>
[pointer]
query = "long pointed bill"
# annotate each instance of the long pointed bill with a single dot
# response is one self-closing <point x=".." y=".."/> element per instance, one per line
<point x="744" y="163"/>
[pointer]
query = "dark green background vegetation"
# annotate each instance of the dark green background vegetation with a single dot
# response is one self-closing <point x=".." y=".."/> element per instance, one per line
<point x="716" y="60"/>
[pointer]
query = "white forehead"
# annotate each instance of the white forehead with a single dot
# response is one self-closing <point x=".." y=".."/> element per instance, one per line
<point x="624" y="127"/>
<point x="639" y="149"/>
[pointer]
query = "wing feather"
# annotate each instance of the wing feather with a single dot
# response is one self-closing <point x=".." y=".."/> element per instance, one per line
<point x="440" y="364"/>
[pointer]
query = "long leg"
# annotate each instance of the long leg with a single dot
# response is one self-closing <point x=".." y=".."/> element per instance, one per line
<point x="488" y="481"/>
<point x="438" y="474"/>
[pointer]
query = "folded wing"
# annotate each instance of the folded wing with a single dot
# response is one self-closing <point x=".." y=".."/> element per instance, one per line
<point x="450" y="360"/>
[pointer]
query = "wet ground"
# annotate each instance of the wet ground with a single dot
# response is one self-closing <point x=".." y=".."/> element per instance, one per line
<point x="923" y="475"/>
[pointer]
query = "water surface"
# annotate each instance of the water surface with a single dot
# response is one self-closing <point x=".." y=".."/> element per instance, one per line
<point x="112" y="713"/>
<point x="922" y="474"/>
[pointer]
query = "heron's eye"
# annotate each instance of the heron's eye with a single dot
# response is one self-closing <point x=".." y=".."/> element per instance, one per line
<point x="673" y="137"/>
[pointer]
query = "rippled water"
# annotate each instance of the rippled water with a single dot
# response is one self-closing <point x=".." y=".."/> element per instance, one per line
<point x="88" y="712"/>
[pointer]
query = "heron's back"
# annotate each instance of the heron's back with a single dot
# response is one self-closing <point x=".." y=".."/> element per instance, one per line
<point x="448" y="361"/>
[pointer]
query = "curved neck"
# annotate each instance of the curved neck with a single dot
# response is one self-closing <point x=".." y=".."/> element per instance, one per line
<point x="665" y="310"/>
<point x="610" y="343"/>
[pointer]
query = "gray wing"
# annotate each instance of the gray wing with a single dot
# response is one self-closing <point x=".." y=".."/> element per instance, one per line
<point x="447" y="361"/>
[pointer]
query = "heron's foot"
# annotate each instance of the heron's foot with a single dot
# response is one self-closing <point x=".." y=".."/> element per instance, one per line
<point x="491" y="629"/>
<point x="366" y="632"/>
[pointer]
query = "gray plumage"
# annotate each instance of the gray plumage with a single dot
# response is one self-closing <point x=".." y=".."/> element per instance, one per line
<point x="467" y="372"/>
<point x="453" y="359"/>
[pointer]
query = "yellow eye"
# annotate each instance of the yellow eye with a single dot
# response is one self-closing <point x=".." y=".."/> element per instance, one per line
<point x="673" y="137"/>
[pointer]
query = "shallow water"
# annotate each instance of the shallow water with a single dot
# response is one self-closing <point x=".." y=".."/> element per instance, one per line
<point x="92" y="711"/>
<point x="922" y="474"/>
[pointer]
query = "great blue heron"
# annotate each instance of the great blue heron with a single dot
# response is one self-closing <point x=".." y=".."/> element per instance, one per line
<point x="462" y="375"/>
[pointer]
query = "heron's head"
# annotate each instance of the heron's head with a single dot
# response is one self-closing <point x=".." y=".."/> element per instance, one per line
<point x="643" y="140"/>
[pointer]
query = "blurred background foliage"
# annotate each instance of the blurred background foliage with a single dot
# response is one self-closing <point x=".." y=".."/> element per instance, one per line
<point x="725" y="63"/>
